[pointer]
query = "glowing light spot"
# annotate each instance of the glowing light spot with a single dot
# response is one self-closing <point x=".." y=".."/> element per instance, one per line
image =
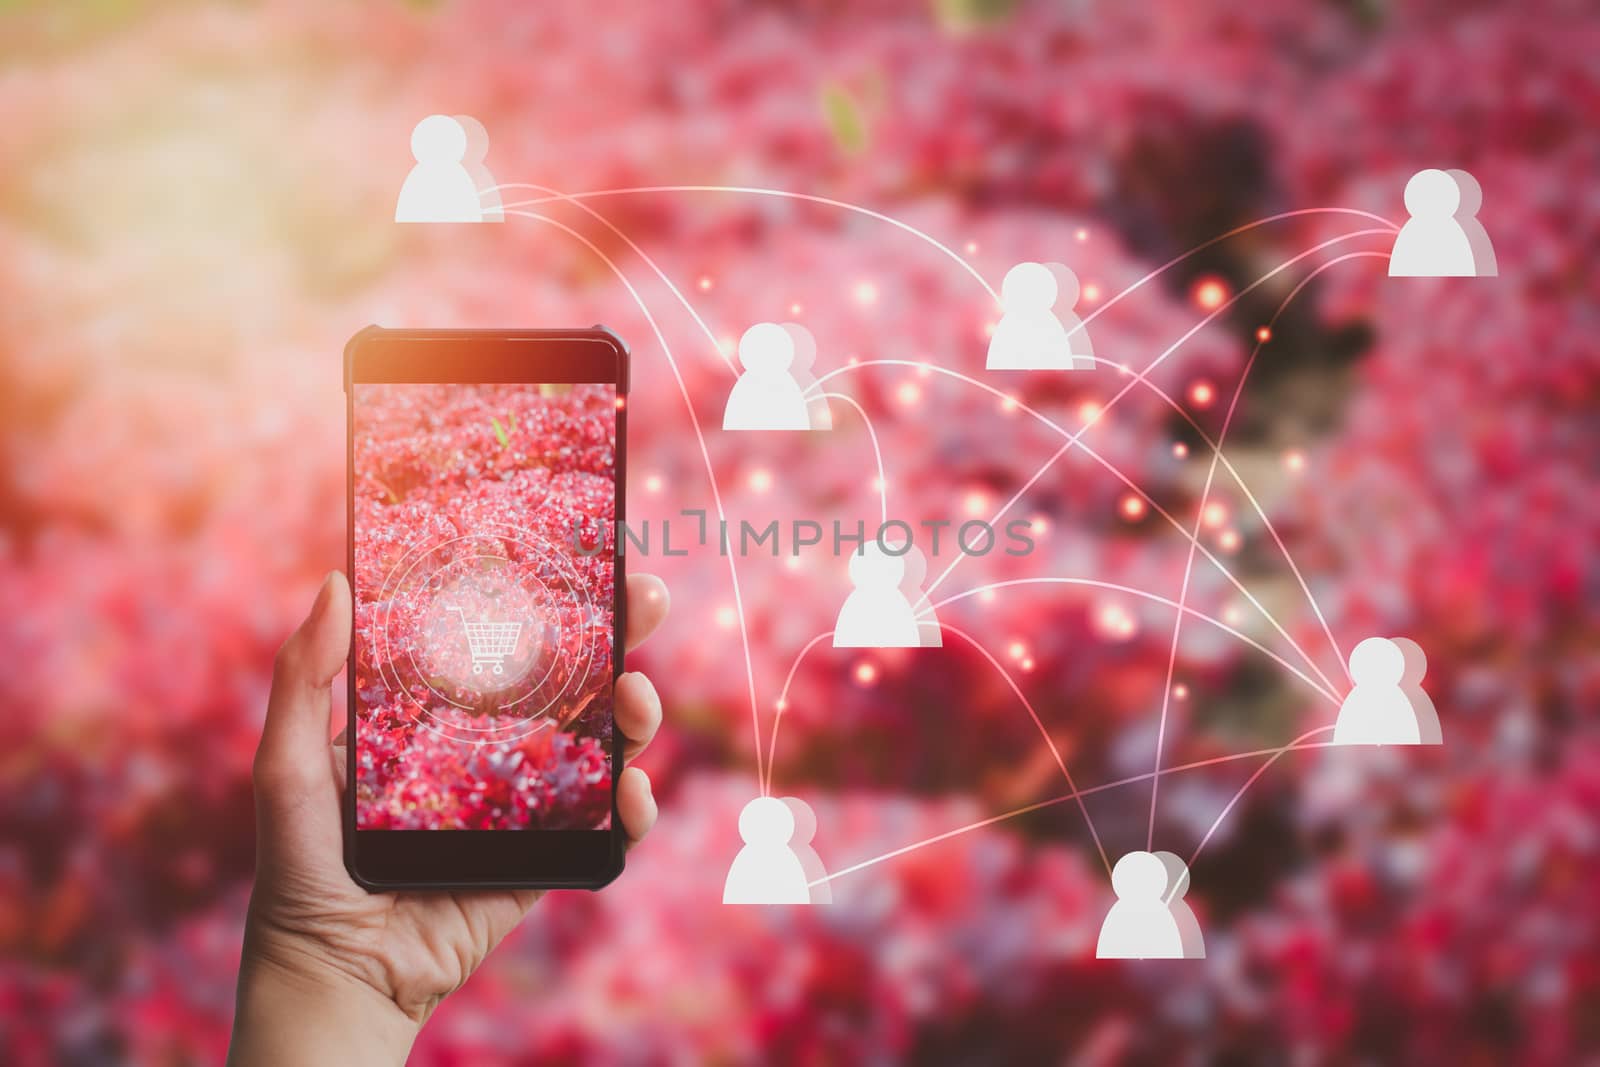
<point x="1180" y="691"/>
<point x="796" y="308"/>
<point x="866" y="673"/>
<point x="621" y="402"/>
<point x="1229" y="540"/>
<point x="705" y="283"/>
<point x="1027" y="664"/>
<point x="1210" y="293"/>
<point x="1263" y="334"/>
<point x="729" y="346"/>
<point x="727" y="618"/>
<point x="760" y="480"/>
<point x="1089" y="410"/>
<point x="1202" y="393"/>
<point x="923" y="370"/>
<point x="1114" y="622"/>
<point x="1215" y="515"/>
<point x="977" y="503"/>
<point x="880" y="484"/>
<point x="908" y="393"/>
<point x="1009" y="405"/>
<point x="1232" y="615"/>
<point x="972" y="248"/>
<point x="782" y="703"/>
<point x="1132" y="507"/>
<point x="1091" y="293"/>
<point x="792" y="562"/>
<point x="866" y="293"/>
<point x="853" y="360"/>
<point x="653" y="484"/>
<point x="1082" y="234"/>
<point x="1039" y="524"/>
<point x="1018" y="650"/>
<point x="987" y="596"/>
<point x="1295" y="460"/>
<point x="989" y="328"/>
<point x="1180" y="449"/>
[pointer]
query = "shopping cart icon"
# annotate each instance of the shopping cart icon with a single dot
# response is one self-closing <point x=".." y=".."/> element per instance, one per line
<point x="489" y="642"/>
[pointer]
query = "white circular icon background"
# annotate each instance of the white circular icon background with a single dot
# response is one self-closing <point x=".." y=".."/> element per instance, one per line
<point x="486" y="633"/>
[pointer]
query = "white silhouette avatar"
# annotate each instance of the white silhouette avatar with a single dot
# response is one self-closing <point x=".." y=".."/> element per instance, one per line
<point x="1377" y="711"/>
<point x="766" y="870"/>
<point x="1194" y="944"/>
<point x="439" y="188"/>
<point x="489" y="201"/>
<point x="1067" y="292"/>
<point x="818" y="413"/>
<point x="929" y="633"/>
<point x="805" y="828"/>
<point x="1483" y="261"/>
<point x="1029" y="336"/>
<point x="877" y="614"/>
<point x="1139" y="925"/>
<point x="766" y="396"/>
<point x="1428" y="728"/>
<point x="1432" y="243"/>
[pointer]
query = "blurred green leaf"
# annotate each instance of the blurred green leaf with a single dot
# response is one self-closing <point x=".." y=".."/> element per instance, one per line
<point x="960" y="15"/>
<point x="500" y="431"/>
<point x="845" y="119"/>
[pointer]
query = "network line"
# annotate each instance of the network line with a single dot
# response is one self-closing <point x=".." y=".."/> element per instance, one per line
<point x="877" y="454"/>
<point x="1157" y="598"/>
<point x="1048" y="740"/>
<point x="1074" y="439"/>
<point x="716" y="346"/>
<point x="785" y="194"/>
<point x="694" y="421"/>
<point x="1177" y="408"/>
<point x="1274" y="753"/>
<point x="1205" y="496"/>
<point x="1243" y="789"/>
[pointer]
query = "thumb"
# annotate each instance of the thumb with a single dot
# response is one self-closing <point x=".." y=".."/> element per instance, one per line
<point x="292" y="765"/>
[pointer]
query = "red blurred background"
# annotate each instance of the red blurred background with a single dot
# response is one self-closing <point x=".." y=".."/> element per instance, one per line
<point x="195" y="213"/>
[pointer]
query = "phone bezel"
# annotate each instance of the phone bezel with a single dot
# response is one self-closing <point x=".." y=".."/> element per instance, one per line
<point x="382" y="860"/>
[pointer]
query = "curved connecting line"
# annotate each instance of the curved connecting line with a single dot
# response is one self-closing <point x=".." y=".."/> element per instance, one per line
<point x="1326" y="694"/>
<point x="1293" y="746"/>
<point x="705" y="453"/>
<point x="1188" y="564"/>
<point x="556" y="194"/>
<point x="784" y="194"/>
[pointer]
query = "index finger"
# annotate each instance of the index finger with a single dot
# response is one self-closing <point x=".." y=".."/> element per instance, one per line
<point x="646" y="607"/>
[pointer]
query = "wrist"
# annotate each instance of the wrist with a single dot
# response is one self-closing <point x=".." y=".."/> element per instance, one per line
<point x="293" y="1012"/>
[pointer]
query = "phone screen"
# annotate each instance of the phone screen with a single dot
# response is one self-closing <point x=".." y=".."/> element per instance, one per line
<point x="483" y="604"/>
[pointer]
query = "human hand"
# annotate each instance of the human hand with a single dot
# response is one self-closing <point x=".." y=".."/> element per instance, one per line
<point x="331" y="973"/>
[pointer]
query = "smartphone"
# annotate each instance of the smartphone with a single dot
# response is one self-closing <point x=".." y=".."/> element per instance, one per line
<point x="484" y="494"/>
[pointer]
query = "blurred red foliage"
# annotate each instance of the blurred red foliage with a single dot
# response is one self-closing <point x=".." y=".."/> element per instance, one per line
<point x="195" y="206"/>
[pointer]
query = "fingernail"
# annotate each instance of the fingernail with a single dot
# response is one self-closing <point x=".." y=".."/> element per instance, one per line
<point x="320" y="606"/>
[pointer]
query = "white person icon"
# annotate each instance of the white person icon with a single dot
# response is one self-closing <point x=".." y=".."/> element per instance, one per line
<point x="1435" y="242"/>
<point x="766" y="396"/>
<point x="805" y="358"/>
<point x="876" y="614"/>
<point x="1029" y="336"/>
<point x="1139" y="925"/>
<point x="1067" y="293"/>
<point x="1194" y="944"/>
<point x="766" y="870"/>
<point x="441" y="188"/>
<point x="1380" y="709"/>
<point x="805" y="829"/>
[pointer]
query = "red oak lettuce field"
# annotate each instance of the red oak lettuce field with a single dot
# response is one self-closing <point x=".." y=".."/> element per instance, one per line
<point x="196" y="213"/>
